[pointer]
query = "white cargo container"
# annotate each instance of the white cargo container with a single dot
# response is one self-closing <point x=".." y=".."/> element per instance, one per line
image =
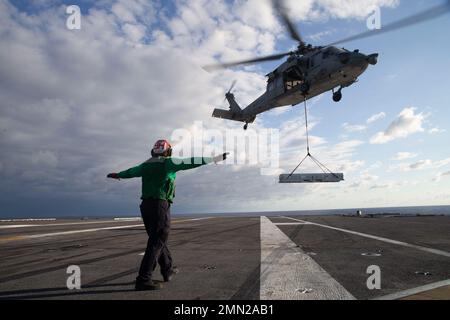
<point x="312" y="178"/>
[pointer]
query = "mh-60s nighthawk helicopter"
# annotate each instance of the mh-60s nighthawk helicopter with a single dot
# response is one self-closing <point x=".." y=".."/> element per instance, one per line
<point x="311" y="70"/>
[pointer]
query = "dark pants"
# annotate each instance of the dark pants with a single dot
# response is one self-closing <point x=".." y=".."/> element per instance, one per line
<point x="156" y="216"/>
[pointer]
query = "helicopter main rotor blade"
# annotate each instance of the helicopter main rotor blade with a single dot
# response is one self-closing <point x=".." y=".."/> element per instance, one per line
<point x="281" y="10"/>
<point x="250" y="61"/>
<point x="426" y="15"/>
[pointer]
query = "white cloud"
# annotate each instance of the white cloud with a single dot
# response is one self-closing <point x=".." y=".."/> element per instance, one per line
<point x="318" y="37"/>
<point x="421" y="165"/>
<point x="440" y="176"/>
<point x="376" y="117"/>
<point x="369" y="177"/>
<point x="94" y="98"/>
<point x="382" y="186"/>
<point x="359" y="127"/>
<point x="389" y="185"/>
<point x="353" y="128"/>
<point x="345" y="149"/>
<point x="436" y="130"/>
<point x="354" y="8"/>
<point x="376" y="165"/>
<point x="442" y="163"/>
<point x="342" y="9"/>
<point x="406" y="124"/>
<point x="349" y="166"/>
<point x="400" y="156"/>
<point x="257" y="13"/>
<point x="134" y="32"/>
<point x="133" y="11"/>
<point x="293" y="135"/>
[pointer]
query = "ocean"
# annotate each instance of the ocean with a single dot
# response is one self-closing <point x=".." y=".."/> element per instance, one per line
<point x="422" y="211"/>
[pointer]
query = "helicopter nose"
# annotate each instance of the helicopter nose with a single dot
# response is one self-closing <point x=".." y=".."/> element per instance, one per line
<point x="355" y="58"/>
<point x="373" y="59"/>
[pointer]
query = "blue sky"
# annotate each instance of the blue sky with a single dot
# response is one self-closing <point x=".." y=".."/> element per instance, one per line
<point x="79" y="104"/>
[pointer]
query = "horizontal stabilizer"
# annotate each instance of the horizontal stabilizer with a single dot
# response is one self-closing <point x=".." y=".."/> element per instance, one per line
<point x="228" y="115"/>
<point x="312" y="178"/>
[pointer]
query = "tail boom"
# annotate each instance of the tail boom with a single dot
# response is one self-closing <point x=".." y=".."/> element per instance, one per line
<point x="235" y="113"/>
<point x="229" y="115"/>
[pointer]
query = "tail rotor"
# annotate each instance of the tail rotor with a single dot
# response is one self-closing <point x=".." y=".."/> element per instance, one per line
<point x="233" y="84"/>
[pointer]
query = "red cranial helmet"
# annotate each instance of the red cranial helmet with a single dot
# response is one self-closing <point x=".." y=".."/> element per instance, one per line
<point x="161" y="147"/>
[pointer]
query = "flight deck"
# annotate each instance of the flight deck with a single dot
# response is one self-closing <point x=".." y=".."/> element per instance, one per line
<point x="237" y="258"/>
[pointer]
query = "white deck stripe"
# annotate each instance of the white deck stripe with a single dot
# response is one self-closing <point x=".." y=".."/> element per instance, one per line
<point x="414" y="291"/>
<point x="82" y="223"/>
<point x="63" y="233"/>
<point x="400" y="243"/>
<point x="18" y="226"/>
<point x="197" y="219"/>
<point x="286" y="270"/>
<point x="62" y="224"/>
<point x="290" y="224"/>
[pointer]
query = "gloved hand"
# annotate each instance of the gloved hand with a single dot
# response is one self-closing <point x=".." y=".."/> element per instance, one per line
<point x="113" y="176"/>
<point x="221" y="157"/>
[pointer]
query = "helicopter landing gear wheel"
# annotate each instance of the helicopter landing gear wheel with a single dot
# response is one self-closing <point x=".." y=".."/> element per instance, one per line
<point x="246" y="126"/>
<point x="337" y="96"/>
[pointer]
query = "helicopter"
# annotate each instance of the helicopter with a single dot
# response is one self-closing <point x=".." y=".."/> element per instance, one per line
<point x="310" y="71"/>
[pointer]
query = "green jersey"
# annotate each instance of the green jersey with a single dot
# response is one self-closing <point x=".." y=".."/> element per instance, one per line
<point x="158" y="175"/>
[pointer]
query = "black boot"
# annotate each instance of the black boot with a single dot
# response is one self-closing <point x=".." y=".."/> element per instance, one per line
<point x="147" y="286"/>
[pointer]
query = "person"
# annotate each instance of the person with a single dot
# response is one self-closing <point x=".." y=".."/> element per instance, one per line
<point x="158" y="191"/>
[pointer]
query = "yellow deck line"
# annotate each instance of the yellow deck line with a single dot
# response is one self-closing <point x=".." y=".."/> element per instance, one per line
<point x="13" y="238"/>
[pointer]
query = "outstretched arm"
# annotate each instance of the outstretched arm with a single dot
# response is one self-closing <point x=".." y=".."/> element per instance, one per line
<point x="191" y="163"/>
<point x="134" y="172"/>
